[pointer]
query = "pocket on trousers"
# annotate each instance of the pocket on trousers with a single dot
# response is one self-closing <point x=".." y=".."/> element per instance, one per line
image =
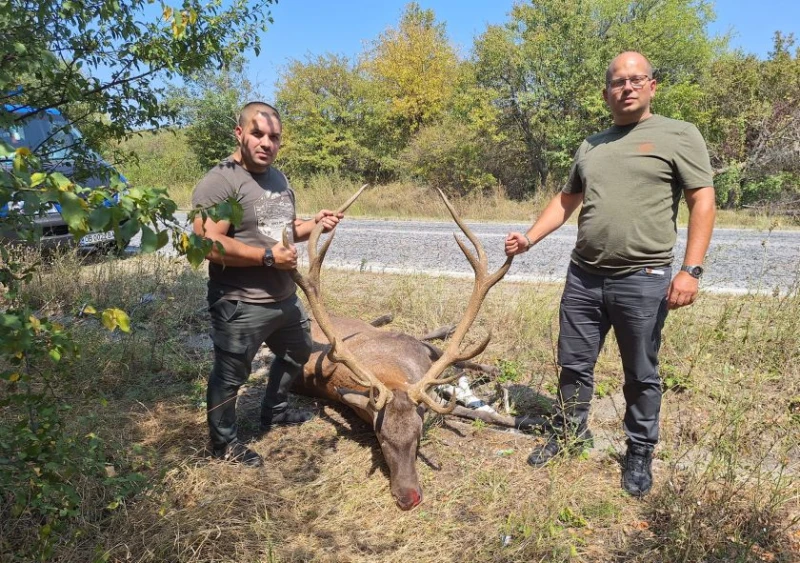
<point x="225" y="310"/>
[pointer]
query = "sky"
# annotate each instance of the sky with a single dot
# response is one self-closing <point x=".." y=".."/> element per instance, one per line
<point x="315" y="27"/>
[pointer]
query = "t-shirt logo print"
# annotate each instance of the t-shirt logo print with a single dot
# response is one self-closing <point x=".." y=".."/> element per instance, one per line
<point x="274" y="212"/>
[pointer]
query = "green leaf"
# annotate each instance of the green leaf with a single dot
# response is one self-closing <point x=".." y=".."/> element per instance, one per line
<point x="149" y="239"/>
<point x="75" y="213"/>
<point x="100" y="219"/>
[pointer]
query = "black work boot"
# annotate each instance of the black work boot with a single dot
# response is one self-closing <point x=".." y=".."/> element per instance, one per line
<point x="236" y="452"/>
<point x="637" y="475"/>
<point x="270" y="418"/>
<point x="558" y="443"/>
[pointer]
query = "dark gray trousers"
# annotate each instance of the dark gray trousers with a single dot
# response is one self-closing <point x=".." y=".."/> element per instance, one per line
<point x="635" y="305"/>
<point x="238" y="329"/>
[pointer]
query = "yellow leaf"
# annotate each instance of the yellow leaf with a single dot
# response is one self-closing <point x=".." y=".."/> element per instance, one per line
<point x="167" y="13"/>
<point x="37" y="178"/>
<point x="23" y="151"/>
<point x="14" y="377"/>
<point x="184" y="244"/>
<point x="113" y="318"/>
<point x="89" y="310"/>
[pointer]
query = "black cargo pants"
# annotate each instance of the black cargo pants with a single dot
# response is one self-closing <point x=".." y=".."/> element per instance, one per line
<point x="238" y="329"/>
<point x="635" y="305"/>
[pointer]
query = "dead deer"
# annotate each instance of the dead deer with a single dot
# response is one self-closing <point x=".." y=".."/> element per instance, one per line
<point x="386" y="376"/>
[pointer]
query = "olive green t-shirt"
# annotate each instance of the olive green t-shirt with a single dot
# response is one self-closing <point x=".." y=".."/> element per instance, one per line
<point x="631" y="178"/>
<point x="268" y="203"/>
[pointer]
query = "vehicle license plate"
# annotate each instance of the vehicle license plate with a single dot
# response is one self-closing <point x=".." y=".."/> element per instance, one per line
<point x="94" y="238"/>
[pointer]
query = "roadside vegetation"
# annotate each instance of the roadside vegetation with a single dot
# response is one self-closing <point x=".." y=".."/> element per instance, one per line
<point x="727" y="468"/>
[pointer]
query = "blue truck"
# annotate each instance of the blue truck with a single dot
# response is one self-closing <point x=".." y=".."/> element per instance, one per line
<point x="48" y="134"/>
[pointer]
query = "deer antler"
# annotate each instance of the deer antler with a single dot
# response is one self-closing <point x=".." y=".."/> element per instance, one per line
<point x="452" y="354"/>
<point x="310" y="284"/>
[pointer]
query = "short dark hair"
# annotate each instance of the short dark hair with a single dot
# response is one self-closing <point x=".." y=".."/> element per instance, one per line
<point x="251" y="108"/>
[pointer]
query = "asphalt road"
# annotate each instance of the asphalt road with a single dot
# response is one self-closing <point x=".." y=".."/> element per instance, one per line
<point x="739" y="260"/>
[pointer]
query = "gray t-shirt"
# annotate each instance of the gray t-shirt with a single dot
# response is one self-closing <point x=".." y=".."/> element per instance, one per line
<point x="268" y="203"/>
<point x="632" y="178"/>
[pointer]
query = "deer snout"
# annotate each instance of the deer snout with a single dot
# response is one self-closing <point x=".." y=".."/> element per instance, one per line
<point x="408" y="499"/>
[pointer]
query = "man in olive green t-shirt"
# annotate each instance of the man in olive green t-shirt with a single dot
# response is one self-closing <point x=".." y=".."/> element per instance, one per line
<point x="628" y="180"/>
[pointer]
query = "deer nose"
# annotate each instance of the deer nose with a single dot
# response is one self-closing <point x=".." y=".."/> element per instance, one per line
<point x="409" y="499"/>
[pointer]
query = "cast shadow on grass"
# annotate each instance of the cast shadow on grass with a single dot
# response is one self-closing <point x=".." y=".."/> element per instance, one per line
<point x="347" y="425"/>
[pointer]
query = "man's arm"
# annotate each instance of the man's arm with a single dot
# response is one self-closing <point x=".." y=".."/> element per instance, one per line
<point x="238" y="254"/>
<point x="560" y="208"/>
<point x="702" y="211"/>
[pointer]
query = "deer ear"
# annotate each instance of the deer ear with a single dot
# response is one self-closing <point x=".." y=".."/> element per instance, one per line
<point x="357" y="399"/>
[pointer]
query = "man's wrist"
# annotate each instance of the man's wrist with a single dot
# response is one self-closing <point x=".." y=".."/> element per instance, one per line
<point x="694" y="270"/>
<point x="528" y="241"/>
<point x="269" y="258"/>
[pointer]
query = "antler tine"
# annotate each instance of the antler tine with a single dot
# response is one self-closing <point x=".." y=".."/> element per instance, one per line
<point x="452" y="354"/>
<point x="311" y="287"/>
<point x="315" y="255"/>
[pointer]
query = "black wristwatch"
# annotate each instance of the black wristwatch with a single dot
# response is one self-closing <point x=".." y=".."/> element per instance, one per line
<point x="269" y="259"/>
<point x="695" y="271"/>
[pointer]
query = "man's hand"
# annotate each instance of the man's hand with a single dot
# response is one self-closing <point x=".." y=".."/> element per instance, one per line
<point x="285" y="258"/>
<point x="682" y="290"/>
<point x="516" y="243"/>
<point x="329" y="219"/>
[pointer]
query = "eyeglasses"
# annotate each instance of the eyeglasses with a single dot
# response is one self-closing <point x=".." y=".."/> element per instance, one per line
<point x="637" y="82"/>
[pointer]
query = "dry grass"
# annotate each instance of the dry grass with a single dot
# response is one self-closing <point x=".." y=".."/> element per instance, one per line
<point x="726" y="471"/>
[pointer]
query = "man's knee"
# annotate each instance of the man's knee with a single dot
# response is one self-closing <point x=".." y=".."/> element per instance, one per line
<point x="296" y="356"/>
<point x="230" y="369"/>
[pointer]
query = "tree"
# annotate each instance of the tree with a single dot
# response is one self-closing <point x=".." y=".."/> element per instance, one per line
<point x="754" y="130"/>
<point x="414" y="69"/>
<point x="330" y="122"/>
<point x="101" y="64"/>
<point x="548" y="66"/>
<point x="207" y="105"/>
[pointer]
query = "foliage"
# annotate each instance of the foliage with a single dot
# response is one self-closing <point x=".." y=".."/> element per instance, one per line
<point x="414" y="70"/>
<point x="548" y="65"/>
<point x="449" y="156"/>
<point x="100" y="65"/>
<point x="329" y="123"/>
<point x="355" y="118"/>
<point x="163" y="158"/>
<point x="755" y="131"/>
<point x="207" y="105"/>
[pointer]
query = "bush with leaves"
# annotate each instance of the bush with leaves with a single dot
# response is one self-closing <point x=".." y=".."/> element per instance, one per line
<point x="449" y="156"/>
<point x="100" y="64"/>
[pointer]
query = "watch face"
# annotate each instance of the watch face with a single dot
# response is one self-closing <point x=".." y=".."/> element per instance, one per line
<point x="269" y="259"/>
<point x="694" y="271"/>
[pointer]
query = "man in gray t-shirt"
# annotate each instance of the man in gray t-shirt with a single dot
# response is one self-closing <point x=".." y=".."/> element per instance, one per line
<point x="251" y="294"/>
<point x="627" y="180"/>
